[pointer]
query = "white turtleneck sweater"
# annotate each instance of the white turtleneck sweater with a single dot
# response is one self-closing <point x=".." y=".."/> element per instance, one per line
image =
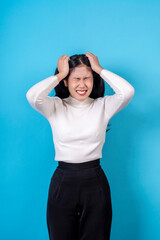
<point x="79" y="127"/>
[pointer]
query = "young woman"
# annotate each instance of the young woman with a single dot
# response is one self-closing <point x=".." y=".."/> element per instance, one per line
<point x="79" y="198"/>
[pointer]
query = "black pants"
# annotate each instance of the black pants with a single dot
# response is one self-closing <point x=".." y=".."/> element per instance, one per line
<point x="79" y="202"/>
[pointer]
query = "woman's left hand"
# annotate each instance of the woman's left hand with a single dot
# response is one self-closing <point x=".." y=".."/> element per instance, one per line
<point x="94" y="62"/>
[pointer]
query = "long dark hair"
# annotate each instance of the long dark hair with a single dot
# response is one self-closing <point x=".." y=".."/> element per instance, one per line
<point x="98" y="83"/>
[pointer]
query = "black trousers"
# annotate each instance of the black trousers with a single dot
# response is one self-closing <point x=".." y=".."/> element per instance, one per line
<point x="79" y="202"/>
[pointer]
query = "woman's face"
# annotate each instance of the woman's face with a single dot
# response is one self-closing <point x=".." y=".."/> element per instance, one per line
<point x="80" y="79"/>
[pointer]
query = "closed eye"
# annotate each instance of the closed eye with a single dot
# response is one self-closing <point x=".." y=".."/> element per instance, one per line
<point x="79" y="78"/>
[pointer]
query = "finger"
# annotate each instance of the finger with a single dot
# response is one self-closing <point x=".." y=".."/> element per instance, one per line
<point x="92" y="54"/>
<point x="89" y="52"/>
<point x="66" y="59"/>
<point x="64" y="56"/>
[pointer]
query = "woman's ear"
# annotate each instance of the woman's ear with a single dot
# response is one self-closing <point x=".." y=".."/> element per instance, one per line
<point x="65" y="83"/>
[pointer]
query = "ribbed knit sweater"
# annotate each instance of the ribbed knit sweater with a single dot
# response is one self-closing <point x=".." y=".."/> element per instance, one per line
<point x="79" y="127"/>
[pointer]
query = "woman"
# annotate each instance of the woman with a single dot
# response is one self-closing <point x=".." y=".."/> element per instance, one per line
<point x="79" y="199"/>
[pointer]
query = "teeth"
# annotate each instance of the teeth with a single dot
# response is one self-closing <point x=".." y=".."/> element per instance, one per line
<point x="81" y="91"/>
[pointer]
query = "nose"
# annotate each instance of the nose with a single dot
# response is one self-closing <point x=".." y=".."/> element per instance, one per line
<point x="81" y="83"/>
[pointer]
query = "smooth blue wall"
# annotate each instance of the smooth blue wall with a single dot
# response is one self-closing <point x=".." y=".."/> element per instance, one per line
<point x="125" y="36"/>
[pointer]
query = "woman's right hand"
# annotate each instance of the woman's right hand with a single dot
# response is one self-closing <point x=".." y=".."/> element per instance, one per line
<point x="63" y="65"/>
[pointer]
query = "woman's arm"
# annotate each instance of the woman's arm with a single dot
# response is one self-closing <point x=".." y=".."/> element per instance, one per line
<point x="124" y="92"/>
<point x="38" y="97"/>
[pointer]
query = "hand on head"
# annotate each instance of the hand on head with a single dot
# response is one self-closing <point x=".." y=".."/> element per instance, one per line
<point x="63" y="66"/>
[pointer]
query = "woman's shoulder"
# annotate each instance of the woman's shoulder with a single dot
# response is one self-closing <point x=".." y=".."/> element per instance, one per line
<point x="101" y="99"/>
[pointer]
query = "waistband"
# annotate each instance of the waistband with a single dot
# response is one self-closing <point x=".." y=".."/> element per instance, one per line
<point x="78" y="166"/>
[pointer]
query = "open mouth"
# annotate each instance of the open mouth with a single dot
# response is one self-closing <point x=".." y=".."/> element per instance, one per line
<point x="81" y="93"/>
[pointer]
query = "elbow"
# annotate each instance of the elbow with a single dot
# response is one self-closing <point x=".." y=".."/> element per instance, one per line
<point x="27" y="96"/>
<point x="130" y="93"/>
<point x="30" y="97"/>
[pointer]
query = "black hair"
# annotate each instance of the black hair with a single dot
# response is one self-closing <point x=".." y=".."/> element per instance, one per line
<point x="98" y="82"/>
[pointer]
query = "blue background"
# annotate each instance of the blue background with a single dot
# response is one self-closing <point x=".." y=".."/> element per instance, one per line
<point x="125" y="36"/>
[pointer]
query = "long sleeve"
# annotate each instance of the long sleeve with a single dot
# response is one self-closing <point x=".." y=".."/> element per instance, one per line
<point x="124" y="92"/>
<point x="38" y="97"/>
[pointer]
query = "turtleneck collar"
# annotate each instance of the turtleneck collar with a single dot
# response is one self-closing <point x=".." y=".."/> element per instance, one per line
<point x="77" y="103"/>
